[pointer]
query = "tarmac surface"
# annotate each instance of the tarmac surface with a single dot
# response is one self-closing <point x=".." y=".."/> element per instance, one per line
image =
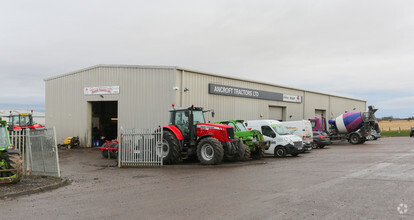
<point x="370" y="181"/>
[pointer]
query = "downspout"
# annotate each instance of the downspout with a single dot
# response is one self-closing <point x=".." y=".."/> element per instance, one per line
<point x="181" y="88"/>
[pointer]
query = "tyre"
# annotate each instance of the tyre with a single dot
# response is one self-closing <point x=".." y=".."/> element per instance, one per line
<point x="354" y="139"/>
<point x="170" y="148"/>
<point x="239" y="155"/>
<point x="105" y="153"/>
<point x="321" y="146"/>
<point x="16" y="163"/>
<point x="113" y="154"/>
<point x="362" y="140"/>
<point x="295" y="154"/>
<point x="314" y="145"/>
<point x="247" y="153"/>
<point x="258" y="153"/>
<point x="210" y="151"/>
<point x="280" y="151"/>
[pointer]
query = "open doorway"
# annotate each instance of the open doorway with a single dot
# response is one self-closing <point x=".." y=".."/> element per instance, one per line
<point x="104" y="122"/>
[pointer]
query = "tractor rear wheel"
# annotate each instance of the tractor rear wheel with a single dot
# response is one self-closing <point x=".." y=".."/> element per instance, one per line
<point x="210" y="151"/>
<point x="16" y="163"/>
<point x="170" y="148"/>
<point x="258" y="153"/>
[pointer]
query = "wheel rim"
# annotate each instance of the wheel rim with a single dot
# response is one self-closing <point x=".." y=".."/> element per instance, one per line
<point x="279" y="152"/>
<point x="354" y="139"/>
<point x="207" y="152"/>
<point x="165" y="148"/>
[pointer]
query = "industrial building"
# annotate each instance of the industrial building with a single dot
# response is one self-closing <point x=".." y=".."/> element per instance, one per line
<point x="104" y="99"/>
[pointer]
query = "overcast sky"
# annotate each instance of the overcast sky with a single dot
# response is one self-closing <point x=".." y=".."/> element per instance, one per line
<point x="361" y="49"/>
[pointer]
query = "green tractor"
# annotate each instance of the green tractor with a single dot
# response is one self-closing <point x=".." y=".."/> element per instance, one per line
<point x="252" y="138"/>
<point x="11" y="166"/>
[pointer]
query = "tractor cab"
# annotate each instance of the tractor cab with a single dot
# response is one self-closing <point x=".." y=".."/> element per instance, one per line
<point x="186" y="120"/>
<point x="21" y="121"/>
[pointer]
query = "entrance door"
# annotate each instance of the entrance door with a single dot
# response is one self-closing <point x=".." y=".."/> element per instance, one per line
<point x="104" y="122"/>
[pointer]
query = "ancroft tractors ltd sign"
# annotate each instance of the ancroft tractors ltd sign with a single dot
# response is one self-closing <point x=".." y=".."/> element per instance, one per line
<point x="101" y="90"/>
<point x="251" y="93"/>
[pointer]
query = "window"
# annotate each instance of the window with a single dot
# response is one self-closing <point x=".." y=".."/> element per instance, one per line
<point x="268" y="131"/>
<point x="234" y="126"/>
<point x="281" y="129"/>
<point x="241" y="126"/>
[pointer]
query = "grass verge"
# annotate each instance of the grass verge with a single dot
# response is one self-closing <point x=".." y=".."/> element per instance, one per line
<point x="395" y="133"/>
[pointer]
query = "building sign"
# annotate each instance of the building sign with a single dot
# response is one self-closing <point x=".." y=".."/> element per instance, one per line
<point x="101" y="90"/>
<point x="292" y="98"/>
<point x="251" y="93"/>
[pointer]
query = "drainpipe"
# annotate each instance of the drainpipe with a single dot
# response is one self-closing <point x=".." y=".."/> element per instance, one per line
<point x="181" y="88"/>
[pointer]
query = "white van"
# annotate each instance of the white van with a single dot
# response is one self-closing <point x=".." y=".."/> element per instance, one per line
<point x="303" y="129"/>
<point x="281" y="141"/>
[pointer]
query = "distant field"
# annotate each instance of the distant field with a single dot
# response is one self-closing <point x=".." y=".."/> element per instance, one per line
<point x="396" y="125"/>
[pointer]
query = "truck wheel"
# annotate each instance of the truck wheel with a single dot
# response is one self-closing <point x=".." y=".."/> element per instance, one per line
<point x="280" y="151"/>
<point x="170" y="148"/>
<point x="362" y="140"/>
<point x="16" y="163"/>
<point x="354" y="139"/>
<point x="258" y="153"/>
<point x="210" y="151"/>
<point x="247" y="153"/>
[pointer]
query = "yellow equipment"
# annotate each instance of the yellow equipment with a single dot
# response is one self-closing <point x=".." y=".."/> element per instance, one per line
<point x="71" y="142"/>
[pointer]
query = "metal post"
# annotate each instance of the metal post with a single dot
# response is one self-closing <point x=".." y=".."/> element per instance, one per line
<point x="57" y="151"/>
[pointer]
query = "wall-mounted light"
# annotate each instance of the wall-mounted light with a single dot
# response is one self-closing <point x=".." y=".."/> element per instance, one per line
<point x="290" y="116"/>
<point x="101" y="96"/>
<point x="261" y="115"/>
<point x="186" y="90"/>
<point x="354" y="109"/>
<point x="176" y="88"/>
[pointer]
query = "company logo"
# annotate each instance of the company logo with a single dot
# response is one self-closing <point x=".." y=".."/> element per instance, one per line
<point x="402" y="208"/>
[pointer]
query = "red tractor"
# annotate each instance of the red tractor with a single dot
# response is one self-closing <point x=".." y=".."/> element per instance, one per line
<point x="21" y="121"/>
<point x="189" y="136"/>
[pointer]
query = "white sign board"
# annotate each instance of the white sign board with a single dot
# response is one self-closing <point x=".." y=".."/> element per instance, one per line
<point x="292" y="98"/>
<point x="101" y="90"/>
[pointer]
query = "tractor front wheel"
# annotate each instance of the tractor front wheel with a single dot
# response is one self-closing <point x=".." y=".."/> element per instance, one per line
<point x="247" y="152"/>
<point x="170" y="148"/>
<point x="210" y="151"/>
<point x="258" y="154"/>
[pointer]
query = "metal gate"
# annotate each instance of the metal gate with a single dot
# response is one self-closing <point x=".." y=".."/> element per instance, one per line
<point x="140" y="147"/>
<point x="39" y="150"/>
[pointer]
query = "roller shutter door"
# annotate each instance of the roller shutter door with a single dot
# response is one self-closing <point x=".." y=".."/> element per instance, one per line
<point x="276" y="113"/>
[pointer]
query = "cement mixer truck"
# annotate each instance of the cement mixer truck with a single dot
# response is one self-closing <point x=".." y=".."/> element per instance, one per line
<point x="354" y="127"/>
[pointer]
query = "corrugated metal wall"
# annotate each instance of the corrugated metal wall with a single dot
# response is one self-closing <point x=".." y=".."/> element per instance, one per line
<point x="145" y="96"/>
<point x="229" y="107"/>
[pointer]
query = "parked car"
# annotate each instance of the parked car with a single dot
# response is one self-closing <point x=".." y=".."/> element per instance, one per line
<point x="412" y="132"/>
<point x="320" y="139"/>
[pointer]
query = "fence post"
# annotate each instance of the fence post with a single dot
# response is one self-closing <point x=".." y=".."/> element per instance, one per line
<point x="57" y="150"/>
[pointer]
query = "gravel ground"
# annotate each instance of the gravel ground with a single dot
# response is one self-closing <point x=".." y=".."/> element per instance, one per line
<point x="29" y="183"/>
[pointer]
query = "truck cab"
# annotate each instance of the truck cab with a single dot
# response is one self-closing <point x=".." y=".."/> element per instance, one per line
<point x="282" y="142"/>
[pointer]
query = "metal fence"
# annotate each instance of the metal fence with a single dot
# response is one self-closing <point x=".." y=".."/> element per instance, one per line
<point x="39" y="150"/>
<point x="141" y="147"/>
